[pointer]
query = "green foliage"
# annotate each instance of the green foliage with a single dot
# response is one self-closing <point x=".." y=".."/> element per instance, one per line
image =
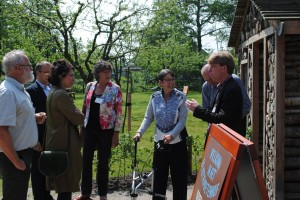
<point x="121" y="156"/>
<point x="249" y="133"/>
<point x="15" y="34"/>
<point x="198" y="147"/>
<point x="171" y="54"/>
<point x="173" y="38"/>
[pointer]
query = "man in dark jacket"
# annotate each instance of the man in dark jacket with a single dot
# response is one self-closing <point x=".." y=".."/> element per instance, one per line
<point x="38" y="92"/>
<point x="228" y="103"/>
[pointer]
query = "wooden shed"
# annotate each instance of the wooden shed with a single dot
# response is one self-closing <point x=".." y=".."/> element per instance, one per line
<point x="266" y="38"/>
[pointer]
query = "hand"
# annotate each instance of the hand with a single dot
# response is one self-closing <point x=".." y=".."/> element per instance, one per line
<point x="167" y="139"/>
<point x="38" y="147"/>
<point x="115" y="139"/>
<point x="20" y="165"/>
<point x="191" y="104"/>
<point x="40" y="117"/>
<point x="137" y="137"/>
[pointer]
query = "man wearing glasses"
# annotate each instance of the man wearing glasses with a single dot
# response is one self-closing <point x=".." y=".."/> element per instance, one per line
<point x="38" y="92"/>
<point x="18" y="129"/>
<point x="228" y="104"/>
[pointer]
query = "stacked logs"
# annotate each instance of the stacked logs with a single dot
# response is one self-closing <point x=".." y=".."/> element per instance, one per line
<point x="250" y="85"/>
<point x="254" y="23"/>
<point x="270" y="148"/>
<point x="292" y="117"/>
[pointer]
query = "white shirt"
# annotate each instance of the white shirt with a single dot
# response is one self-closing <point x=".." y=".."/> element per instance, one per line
<point x="18" y="114"/>
<point x="46" y="88"/>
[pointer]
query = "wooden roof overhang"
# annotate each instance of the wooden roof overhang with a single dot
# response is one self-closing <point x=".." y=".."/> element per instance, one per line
<point x="283" y="10"/>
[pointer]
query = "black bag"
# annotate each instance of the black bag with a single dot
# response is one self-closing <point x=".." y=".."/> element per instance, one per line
<point x="53" y="163"/>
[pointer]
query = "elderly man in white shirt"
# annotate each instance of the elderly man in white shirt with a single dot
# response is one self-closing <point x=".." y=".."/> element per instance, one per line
<point x="18" y="129"/>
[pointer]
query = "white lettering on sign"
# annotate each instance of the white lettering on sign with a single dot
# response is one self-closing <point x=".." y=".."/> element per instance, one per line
<point x="216" y="158"/>
<point x="210" y="191"/>
<point x="198" y="197"/>
<point x="211" y="172"/>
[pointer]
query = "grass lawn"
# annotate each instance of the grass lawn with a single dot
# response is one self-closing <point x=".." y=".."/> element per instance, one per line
<point x="121" y="163"/>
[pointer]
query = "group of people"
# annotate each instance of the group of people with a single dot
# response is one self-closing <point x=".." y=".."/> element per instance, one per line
<point x="43" y="117"/>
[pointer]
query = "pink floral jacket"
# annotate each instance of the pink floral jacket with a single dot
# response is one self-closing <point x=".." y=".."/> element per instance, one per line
<point x="110" y="112"/>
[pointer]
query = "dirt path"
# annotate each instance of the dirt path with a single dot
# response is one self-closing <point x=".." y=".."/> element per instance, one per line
<point x="121" y="195"/>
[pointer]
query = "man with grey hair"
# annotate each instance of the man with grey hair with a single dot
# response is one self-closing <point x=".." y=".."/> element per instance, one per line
<point x="38" y="92"/>
<point x="18" y="129"/>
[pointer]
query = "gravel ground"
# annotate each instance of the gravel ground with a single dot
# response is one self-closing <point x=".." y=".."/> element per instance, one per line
<point x="121" y="195"/>
<point x="118" y="189"/>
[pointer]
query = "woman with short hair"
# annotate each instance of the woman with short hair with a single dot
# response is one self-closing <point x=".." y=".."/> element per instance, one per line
<point x="102" y="108"/>
<point x="167" y="108"/>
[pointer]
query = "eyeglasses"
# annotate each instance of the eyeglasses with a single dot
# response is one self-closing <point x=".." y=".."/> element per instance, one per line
<point x="169" y="80"/>
<point x="29" y="65"/>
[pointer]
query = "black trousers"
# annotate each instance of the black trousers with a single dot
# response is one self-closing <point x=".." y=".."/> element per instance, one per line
<point x="38" y="180"/>
<point x="14" y="181"/>
<point x="64" y="196"/>
<point x="174" y="159"/>
<point x="102" y="140"/>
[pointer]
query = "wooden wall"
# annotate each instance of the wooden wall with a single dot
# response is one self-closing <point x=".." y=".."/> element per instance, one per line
<point x="292" y="117"/>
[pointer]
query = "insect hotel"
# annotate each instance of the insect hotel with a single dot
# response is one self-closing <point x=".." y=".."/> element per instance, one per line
<point x="266" y="37"/>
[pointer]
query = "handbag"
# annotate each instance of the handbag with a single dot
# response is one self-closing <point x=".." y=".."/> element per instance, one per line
<point x="54" y="163"/>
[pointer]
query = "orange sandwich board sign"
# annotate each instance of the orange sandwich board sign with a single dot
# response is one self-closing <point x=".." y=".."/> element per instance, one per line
<point x="229" y="163"/>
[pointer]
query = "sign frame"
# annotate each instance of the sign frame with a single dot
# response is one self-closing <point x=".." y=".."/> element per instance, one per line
<point x="241" y="150"/>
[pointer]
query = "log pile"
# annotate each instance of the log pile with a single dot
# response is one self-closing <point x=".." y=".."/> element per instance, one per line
<point x="250" y="85"/>
<point x="292" y="117"/>
<point x="254" y="23"/>
<point x="270" y="119"/>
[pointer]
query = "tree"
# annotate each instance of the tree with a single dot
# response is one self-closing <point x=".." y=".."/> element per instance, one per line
<point x="165" y="44"/>
<point x="173" y="37"/>
<point x="108" y="31"/>
<point x="17" y="34"/>
<point x="206" y="13"/>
